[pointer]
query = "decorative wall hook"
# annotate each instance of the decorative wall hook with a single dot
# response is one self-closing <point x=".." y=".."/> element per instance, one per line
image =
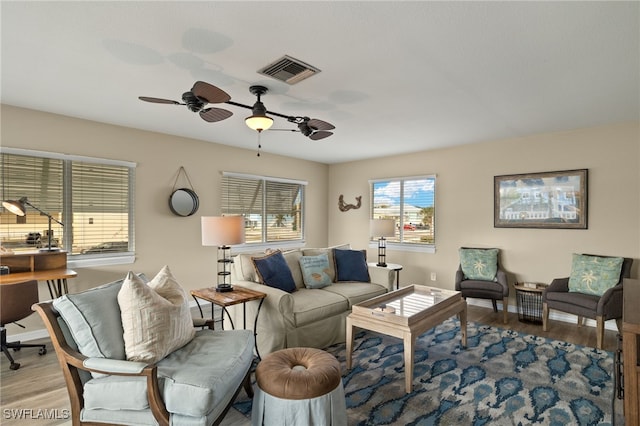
<point x="344" y="207"/>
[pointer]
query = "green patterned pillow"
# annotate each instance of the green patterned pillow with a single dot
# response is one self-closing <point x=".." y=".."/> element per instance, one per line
<point x="594" y="274"/>
<point x="479" y="264"/>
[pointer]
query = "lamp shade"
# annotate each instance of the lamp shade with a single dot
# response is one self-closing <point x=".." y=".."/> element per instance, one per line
<point x="382" y="227"/>
<point x="16" y="207"/>
<point x="222" y="230"/>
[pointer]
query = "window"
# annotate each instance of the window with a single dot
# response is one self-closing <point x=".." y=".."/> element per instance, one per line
<point x="411" y="203"/>
<point x="273" y="208"/>
<point x="93" y="198"/>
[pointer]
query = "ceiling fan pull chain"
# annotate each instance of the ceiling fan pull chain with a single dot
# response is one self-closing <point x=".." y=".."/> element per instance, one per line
<point x="259" y="144"/>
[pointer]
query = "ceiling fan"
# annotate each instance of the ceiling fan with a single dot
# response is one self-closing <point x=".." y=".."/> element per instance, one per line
<point x="203" y="94"/>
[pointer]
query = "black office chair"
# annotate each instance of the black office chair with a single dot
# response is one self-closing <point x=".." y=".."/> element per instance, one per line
<point x="15" y="304"/>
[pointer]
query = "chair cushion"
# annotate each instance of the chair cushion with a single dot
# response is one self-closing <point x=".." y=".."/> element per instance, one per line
<point x="156" y="318"/>
<point x="479" y="264"/>
<point x="94" y="321"/>
<point x="274" y="271"/>
<point x="194" y="380"/>
<point x="594" y="274"/>
<point x="315" y="270"/>
<point x="351" y="265"/>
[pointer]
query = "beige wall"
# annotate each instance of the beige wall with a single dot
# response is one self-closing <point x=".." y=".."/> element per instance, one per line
<point x="464" y="196"/>
<point x="464" y="202"/>
<point x="161" y="237"/>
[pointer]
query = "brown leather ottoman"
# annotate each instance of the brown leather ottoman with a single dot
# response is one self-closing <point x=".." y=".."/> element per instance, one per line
<point x="299" y="386"/>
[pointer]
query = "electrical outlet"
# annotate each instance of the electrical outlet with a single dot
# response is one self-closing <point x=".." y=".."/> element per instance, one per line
<point x="433" y="276"/>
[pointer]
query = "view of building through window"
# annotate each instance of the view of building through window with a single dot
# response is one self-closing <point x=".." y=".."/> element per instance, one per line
<point x="411" y="203"/>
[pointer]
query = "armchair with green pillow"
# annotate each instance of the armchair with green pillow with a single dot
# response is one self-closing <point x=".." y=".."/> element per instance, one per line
<point x="310" y="292"/>
<point x="130" y="354"/>
<point x="593" y="290"/>
<point x="481" y="276"/>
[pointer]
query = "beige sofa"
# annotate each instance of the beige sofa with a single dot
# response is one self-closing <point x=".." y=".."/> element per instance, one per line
<point x="306" y="317"/>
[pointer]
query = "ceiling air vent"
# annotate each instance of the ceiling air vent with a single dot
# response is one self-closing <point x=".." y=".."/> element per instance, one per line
<point x="289" y="70"/>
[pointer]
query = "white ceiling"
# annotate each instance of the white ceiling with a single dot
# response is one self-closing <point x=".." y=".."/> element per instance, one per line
<point x="396" y="77"/>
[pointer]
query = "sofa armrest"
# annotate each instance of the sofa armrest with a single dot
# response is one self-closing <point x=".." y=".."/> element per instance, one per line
<point x="383" y="276"/>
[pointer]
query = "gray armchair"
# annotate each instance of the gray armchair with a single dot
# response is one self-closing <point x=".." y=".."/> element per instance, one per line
<point x="601" y="308"/>
<point x="497" y="289"/>
<point x="196" y="384"/>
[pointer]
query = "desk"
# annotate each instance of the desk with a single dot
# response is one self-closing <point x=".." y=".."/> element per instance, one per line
<point x="56" y="279"/>
<point x="392" y="267"/>
<point x="229" y="298"/>
<point x="49" y="266"/>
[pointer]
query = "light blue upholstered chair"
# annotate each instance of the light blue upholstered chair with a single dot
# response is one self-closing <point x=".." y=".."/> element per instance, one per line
<point x="194" y="385"/>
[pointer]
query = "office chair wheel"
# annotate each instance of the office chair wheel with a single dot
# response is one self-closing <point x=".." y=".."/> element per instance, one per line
<point x="42" y="351"/>
<point x="14" y="365"/>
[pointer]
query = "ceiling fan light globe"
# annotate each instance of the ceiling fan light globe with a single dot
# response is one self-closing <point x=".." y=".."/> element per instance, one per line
<point x="259" y="122"/>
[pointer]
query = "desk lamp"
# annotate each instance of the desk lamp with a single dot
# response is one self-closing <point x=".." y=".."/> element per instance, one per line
<point x="382" y="228"/>
<point x="223" y="231"/>
<point x="18" y="208"/>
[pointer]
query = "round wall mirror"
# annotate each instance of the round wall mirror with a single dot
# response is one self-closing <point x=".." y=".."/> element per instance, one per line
<point x="184" y="202"/>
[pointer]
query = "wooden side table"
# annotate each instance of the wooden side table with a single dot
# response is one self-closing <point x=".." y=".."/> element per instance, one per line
<point x="229" y="298"/>
<point x="392" y="267"/>
<point x="529" y="302"/>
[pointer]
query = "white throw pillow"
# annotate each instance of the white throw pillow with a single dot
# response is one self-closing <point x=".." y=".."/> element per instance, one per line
<point x="156" y="318"/>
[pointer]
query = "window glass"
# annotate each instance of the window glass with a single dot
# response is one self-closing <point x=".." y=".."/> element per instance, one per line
<point x="411" y="203"/>
<point x="91" y="197"/>
<point x="272" y="208"/>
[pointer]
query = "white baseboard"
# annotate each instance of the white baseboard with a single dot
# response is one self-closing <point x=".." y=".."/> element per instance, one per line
<point x="554" y="315"/>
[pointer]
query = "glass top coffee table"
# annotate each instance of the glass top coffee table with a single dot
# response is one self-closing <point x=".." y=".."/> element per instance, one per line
<point x="406" y="314"/>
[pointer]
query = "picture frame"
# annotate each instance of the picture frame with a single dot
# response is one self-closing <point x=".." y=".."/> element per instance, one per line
<point x="553" y="200"/>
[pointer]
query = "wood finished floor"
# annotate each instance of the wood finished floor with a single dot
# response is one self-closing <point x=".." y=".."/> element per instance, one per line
<point x="39" y="385"/>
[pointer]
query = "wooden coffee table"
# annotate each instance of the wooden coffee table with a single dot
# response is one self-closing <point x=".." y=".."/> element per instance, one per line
<point x="406" y="314"/>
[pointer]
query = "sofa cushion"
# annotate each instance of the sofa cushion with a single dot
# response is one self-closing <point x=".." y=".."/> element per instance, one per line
<point x="94" y="321"/>
<point x="156" y="318"/>
<point x="243" y="267"/>
<point x="274" y="271"/>
<point x="594" y="274"/>
<point x="313" y="305"/>
<point x="315" y="270"/>
<point x="479" y="264"/>
<point x="356" y="292"/>
<point x="351" y="265"/>
<point x="207" y="384"/>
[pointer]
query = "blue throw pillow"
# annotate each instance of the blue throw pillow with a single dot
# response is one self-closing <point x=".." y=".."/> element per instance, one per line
<point x="315" y="271"/>
<point x="351" y="265"/>
<point x="274" y="271"/>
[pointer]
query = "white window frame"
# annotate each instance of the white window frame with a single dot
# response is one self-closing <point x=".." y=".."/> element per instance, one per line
<point x="88" y="260"/>
<point x="402" y="245"/>
<point x="284" y="245"/>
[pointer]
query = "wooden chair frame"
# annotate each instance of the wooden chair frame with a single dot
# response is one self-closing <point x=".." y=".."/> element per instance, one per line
<point x="72" y="362"/>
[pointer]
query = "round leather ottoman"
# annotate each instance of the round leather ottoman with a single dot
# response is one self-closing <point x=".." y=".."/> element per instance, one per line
<point x="299" y="386"/>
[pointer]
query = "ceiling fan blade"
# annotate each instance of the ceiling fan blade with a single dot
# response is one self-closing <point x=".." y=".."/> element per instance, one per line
<point x="210" y="93"/>
<point x="158" y="100"/>
<point x="321" y="134"/>
<point x="215" y="114"/>
<point x="316" y="124"/>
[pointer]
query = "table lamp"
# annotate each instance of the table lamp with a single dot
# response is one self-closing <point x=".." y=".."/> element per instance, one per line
<point x="222" y="232"/>
<point x="18" y="208"/>
<point x="382" y="228"/>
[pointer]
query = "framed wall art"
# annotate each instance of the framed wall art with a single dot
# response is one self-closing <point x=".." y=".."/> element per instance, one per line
<point x="541" y="200"/>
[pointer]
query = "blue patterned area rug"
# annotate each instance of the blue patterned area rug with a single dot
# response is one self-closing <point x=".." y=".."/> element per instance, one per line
<point x="501" y="378"/>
